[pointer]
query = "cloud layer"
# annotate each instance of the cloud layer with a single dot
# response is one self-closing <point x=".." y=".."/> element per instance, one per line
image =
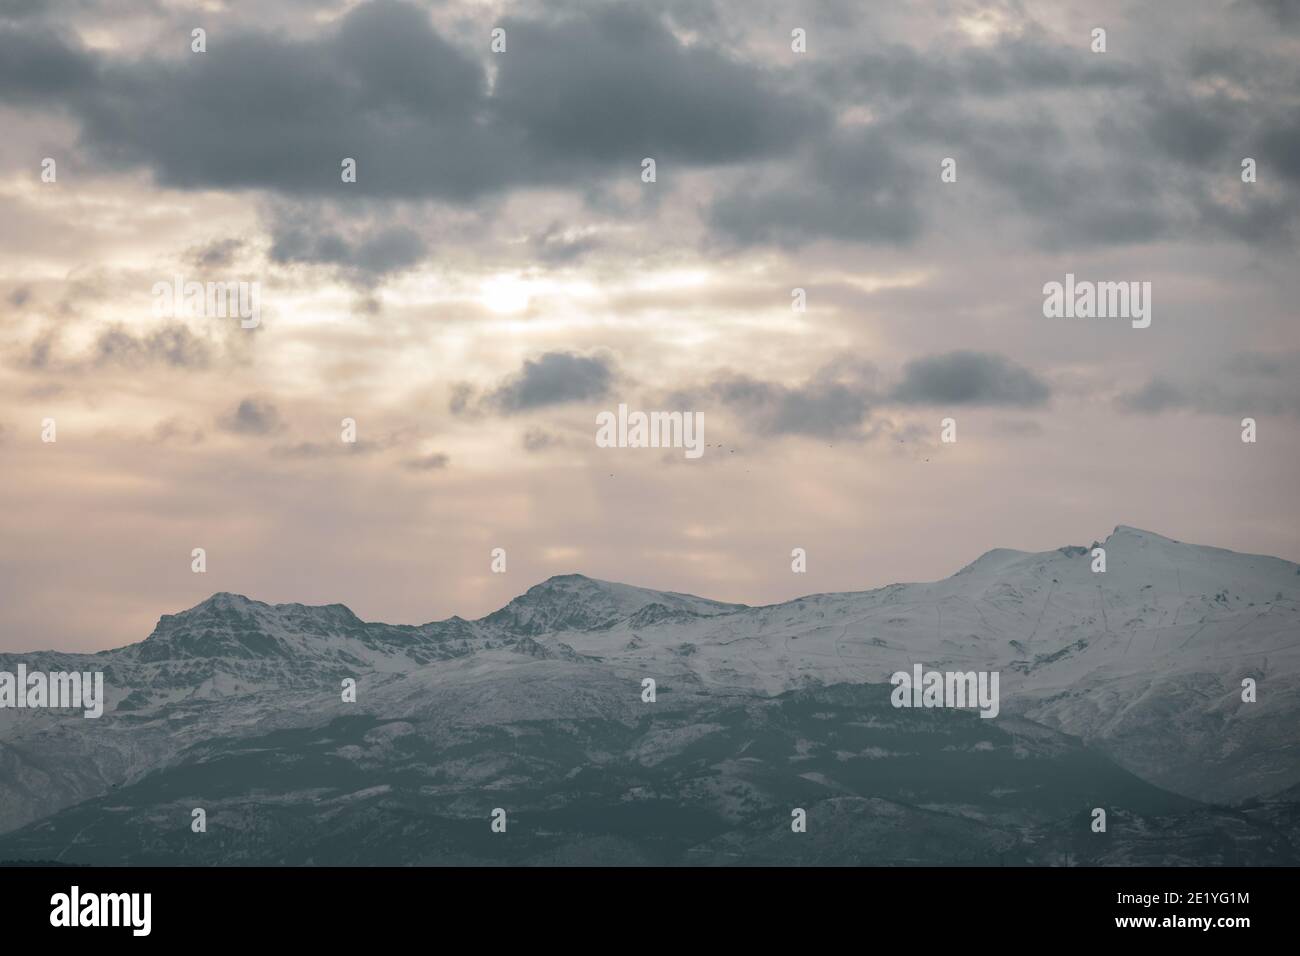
<point x="499" y="273"/>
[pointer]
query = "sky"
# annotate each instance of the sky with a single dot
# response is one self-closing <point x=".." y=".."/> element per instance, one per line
<point x="500" y="272"/>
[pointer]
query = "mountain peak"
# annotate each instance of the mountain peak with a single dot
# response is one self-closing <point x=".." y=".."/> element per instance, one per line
<point x="228" y="624"/>
<point x="1128" y="535"/>
<point x="227" y="601"/>
<point x="1128" y="531"/>
<point x="1124" y="538"/>
<point x="578" y="603"/>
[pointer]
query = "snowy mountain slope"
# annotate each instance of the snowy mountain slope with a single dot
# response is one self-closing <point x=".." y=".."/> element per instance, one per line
<point x="1143" y="663"/>
<point x="708" y="782"/>
<point x="572" y="602"/>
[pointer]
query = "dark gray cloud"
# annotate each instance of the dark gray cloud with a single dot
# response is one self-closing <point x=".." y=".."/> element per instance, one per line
<point x="369" y="443"/>
<point x="1158" y="160"/>
<point x="1279" y="143"/>
<point x="462" y="399"/>
<point x="969" y="378"/>
<point x="364" y="259"/>
<point x="871" y="183"/>
<point x="1156" y="396"/>
<point x="38" y="63"/>
<point x="62" y="10"/>
<point x="554" y="378"/>
<point x="838" y="401"/>
<point x="1084" y="196"/>
<point x="819" y="408"/>
<point x="1198" y="124"/>
<point x="40" y="355"/>
<point x="1197" y="131"/>
<point x="1035" y="61"/>
<point x="118" y="345"/>
<point x="1244" y="384"/>
<point x="614" y="85"/>
<point x="173" y="344"/>
<point x="536" y="440"/>
<point x="1284" y="13"/>
<point x="582" y="95"/>
<point x="252" y="416"/>
<point x="1176" y="151"/>
<point x="854" y="186"/>
<point x="1251" y="217"/>
<point x="901" y="77"/>
<point x="834" y="402"/>
<point x="263" y="111"/>
<point x="215" y="254"/>
<point x="589" y="92"/>
<point x="1262" y="364"/>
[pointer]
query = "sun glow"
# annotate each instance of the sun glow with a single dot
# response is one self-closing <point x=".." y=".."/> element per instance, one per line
<point x="505" y="294"/>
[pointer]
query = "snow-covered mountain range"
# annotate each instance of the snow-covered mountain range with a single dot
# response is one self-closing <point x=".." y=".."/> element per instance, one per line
<point x="1120" y="689"/>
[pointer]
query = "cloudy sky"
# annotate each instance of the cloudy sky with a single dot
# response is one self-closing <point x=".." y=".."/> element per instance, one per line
<point x="499" y="273"/>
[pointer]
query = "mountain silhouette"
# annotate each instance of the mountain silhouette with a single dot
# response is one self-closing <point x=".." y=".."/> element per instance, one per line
<point x="1120" y="689"/>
